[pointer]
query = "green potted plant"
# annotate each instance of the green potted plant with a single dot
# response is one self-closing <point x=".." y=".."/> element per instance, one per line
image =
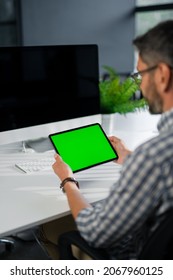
<point x="118" y="96"/>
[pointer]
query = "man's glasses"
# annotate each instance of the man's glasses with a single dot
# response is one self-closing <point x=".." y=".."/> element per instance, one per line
<point x="138" y="75"/>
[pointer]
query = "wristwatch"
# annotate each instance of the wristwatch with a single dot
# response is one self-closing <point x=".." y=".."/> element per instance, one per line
<point x="68" y="179"/>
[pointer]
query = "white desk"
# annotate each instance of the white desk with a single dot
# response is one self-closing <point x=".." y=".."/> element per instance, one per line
<point x="30" y="200"/>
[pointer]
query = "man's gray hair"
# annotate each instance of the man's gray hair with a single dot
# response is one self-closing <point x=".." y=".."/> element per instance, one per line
<point x="156" y="45"/>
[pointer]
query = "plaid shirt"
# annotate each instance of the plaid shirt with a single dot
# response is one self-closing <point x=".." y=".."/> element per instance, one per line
<point x="123" y="221"/>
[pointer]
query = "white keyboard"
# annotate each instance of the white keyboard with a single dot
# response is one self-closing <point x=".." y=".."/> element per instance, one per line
<point x="35" y="165"/>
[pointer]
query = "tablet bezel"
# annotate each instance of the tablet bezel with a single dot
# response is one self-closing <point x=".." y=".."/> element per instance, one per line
<point x="82" y="127"/>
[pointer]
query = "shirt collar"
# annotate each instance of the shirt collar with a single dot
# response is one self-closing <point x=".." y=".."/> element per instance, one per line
<point x="166" y="121"/>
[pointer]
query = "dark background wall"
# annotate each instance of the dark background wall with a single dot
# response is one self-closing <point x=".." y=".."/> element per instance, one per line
<point x="107" y="23"/>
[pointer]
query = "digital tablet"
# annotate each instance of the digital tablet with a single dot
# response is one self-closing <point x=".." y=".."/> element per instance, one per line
<point x="83" y="147"/>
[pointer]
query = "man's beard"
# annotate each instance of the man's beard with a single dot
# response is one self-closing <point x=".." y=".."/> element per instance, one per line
<point x="155" y="103"/>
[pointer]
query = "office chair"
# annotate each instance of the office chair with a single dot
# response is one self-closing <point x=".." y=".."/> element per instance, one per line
<point x="9" y="244"/>
<point x="158" y="247"/>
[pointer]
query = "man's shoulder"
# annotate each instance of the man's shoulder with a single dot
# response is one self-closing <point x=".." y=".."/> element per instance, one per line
<point x="156" y="147"/>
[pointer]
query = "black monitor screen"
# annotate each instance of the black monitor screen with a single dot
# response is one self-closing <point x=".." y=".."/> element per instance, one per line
<point x="43" y="84"/>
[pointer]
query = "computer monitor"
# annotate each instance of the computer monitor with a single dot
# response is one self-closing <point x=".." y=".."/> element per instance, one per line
<point x="47" y="84"/>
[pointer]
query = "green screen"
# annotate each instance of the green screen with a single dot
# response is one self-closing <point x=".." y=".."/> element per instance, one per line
<point x="83" y="147"/>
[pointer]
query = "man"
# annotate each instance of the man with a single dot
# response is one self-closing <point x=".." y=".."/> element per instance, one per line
<point x="144" y="191"/>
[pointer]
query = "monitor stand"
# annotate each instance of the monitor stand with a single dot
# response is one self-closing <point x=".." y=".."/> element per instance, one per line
<point x="16" y="147"/>
<point x="26" y="149"/>
<point x="40" y="145"/>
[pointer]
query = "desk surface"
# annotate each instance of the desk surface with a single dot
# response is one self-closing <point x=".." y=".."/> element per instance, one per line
<point x="29" y="200"/>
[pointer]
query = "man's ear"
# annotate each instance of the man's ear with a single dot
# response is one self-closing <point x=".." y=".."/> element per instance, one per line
<point x="163" y="77"/>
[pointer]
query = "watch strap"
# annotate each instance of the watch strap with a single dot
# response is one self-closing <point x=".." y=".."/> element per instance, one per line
<point x="68" y="179"/>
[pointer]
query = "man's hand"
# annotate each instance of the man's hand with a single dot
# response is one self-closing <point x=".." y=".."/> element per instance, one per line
<point x="61" y="169"/>
<point x="120" y="148"/>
